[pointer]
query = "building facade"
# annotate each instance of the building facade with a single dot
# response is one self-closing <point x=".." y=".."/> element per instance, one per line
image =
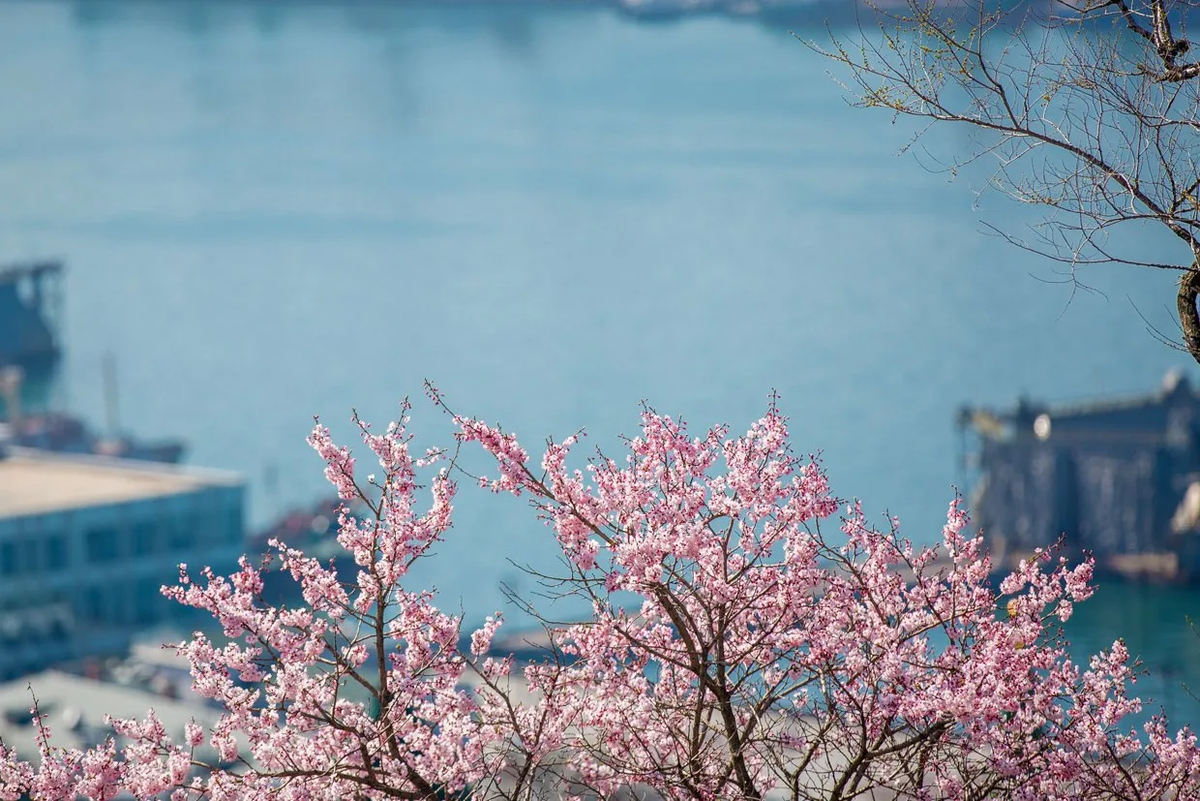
<point x="86" y="543"/>
<point x="1119" y="480"/>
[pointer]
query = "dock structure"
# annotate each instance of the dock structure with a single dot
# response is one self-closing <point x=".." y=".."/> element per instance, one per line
<point x="87" y="542"/>
<point x="30" y="308"/>
<point x="1117" y="479"/>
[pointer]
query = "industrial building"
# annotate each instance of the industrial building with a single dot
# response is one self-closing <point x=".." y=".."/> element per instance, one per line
<point x="1117" y="479"/>
<point x="30" y="304"/>
<point x="87" y="542"/>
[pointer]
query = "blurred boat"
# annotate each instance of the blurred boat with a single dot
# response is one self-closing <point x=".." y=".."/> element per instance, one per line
<point x="311" y="529"/>
<point x="674" y="9"/>
<point x="783" y="11"/>
<point x="63" y="433"/>
<point x="668" y="9"/>
<point x="30" y="347"/>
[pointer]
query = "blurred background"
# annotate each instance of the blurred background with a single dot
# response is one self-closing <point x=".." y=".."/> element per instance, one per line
<point x="552" y="210"/>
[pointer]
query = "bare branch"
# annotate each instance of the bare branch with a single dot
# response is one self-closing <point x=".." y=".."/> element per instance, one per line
<point x="1092" y="113"/>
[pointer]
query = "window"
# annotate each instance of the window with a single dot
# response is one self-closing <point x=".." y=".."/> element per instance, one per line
<point x="117" y="606"/>
<point x="145" y="537"/>
<point x="31" y="631"/>
<point x="8" y="558"/>
<point x="90" y="606"/>
<point x="10" y="626"/>
<point x="58" y="614"/>
<point x="102" y="544"/>
<point x="236" y="528"/>
<point x="55" y="556"/>
<point x="28" y="560"/>
<point x="182" y="533"/>
<point x="59" y="629"/>
<point x="148" y="601"/>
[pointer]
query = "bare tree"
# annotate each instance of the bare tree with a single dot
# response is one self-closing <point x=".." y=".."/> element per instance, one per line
<point x="1091" y="109"/>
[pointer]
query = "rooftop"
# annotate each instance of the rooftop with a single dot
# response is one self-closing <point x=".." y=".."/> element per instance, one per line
<point x="74" y="709"/>
<point x="36" y="482"/>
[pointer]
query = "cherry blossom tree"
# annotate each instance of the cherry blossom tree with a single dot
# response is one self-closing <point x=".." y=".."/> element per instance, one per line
<point x="751" y="636"/>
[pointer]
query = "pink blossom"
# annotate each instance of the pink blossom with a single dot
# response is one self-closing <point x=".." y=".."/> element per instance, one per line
<point x="751" y="634"/>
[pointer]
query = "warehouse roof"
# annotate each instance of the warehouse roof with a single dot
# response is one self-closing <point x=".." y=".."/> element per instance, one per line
<point x="37" y="482"/>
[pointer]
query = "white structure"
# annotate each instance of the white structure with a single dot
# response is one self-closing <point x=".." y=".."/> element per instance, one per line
<point x="87" y="542"/>
<point x="74" y="708"/>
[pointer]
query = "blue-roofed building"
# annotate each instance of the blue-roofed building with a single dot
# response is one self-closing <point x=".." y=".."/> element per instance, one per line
<point x="87" y="542"/>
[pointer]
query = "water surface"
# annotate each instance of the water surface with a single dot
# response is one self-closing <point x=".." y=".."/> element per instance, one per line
<point x="276" y="210"/>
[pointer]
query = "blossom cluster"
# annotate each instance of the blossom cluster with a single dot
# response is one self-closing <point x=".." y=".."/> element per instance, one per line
<point x="751" y="636"/>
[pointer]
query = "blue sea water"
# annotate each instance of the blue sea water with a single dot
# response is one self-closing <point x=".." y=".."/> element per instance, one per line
<point x="272" y="210"/>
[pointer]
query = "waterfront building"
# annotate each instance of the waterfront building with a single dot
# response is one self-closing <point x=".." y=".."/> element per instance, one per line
<point x="87" y="542"/>
<point x="1117" y="479"/>
<point x="30" y="304"/>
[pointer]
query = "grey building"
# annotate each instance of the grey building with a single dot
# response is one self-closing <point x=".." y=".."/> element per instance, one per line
<point x="1118" y="479"/>
<point x="87" y="542"/>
